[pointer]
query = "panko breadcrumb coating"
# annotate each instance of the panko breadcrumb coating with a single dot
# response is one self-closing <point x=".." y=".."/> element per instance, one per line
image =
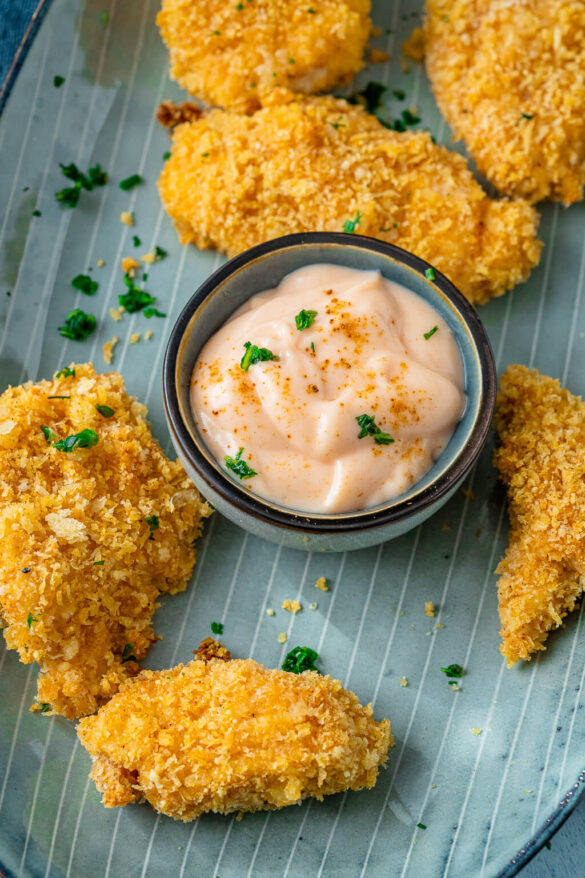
<point x="232" y="54"/>
<point x="509" y="77"/>
<point x="542" y="462"/>
<point x="306" y="164"/>
<point x="81" y="568"/>
<point x="231" y="736"/>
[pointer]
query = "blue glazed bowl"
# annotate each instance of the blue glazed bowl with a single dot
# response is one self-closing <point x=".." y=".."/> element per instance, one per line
<point x="263" y="267"/>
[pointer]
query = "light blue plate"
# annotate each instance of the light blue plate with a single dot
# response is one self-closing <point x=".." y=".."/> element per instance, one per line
<point x="482" y="797"/>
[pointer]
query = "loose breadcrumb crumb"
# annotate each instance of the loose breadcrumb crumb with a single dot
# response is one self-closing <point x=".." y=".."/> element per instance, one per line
<point x="429" y="609"/>
<point x="292" y="606"/>
<point x="129" y="264"/>
<point x="438" y="625"/>
<point x="108" y="349"/>
<point x="100" y="263"/>
<point x="403" y="681"/>
<point x="135" y="338"/>
<point x="115" y="314"/>
<point x="476" y="731"/>
<point x="148" y="334"/>
<point x="468" y="493"/>
<point x="126" y="218"/>
<point x="270" y="611"/>
<point x="60" y="513"/>
<point x="454" y="687"/>
<point x="378" y="57"/>
<point x="282" y="638"/>
<point x="149" y="258"/>
<point x="322" y="584"/>
<point x="414" y="46"/>
<point x="313" y="605"/>
<point x="232" y="737"/>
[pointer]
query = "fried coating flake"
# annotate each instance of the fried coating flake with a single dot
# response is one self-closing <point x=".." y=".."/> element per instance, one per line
<point x="542" y="431"/>
<point x="510" y="80"/>
<point x="88" y="538"/>
<point x="231" y="736"/>
<point x="233" y="54"/>
<point x="306" y="164"/>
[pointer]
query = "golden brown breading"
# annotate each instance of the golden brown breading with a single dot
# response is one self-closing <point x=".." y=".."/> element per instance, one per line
<point x="306" y="164"/>
<point x="231" y="736"/>
<point x="541" y="460"/>
<point x="510" y="80"/>
<point x="80" y="567"/>
<point x="232" y="54"/>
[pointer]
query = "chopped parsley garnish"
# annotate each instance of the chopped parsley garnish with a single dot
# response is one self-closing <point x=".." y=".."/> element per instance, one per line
<point x="106" y="411"/>
<point x="370" y="428"/>
<point x="420" y="826"/>
<point x="69" y="197"/>
<point x="409" y="118"/>
<point x="78" y="325"/>
<point x="152" y="312"/>
<point x="85" y="439"/>
<point x="430" y="273"/>
<point x="254" y="354"/>
<point x="239" y="466"/>
<point x="48" y="433"/>
<point x="58" y="397"/>
<point x="167" y="155"/>
<point x="67" y="372"/>
<point x="432" y="331"/>
<point x="527" y="115"/>
<point x="30" y="620"/>
<point x="349" y="226"/>
<point x="399" y="94"/>
<point x="85" y="284"/>
<point x="58" y="81"/>
<point x="370" y="97"/>
<point x="104" y="18"/>
<point x="98" y="563"/>
<point x="159" y="253"/>
<point x="217" y="628"/>
<point x="299" y="659"/>
<point x="304" y="319"/>
<point x="36" y="213"/>
<point x="153" y="523"/>
<point x="313" y="346"/>
<point x="127" y="654"/>
<point x="136" y="241"/>
<point x="45" y="707"/>
<point x="311" y="11"/>
<point x="131" y="182"/>
<point x="135" y="299"/>
<point x="453" y="671"/>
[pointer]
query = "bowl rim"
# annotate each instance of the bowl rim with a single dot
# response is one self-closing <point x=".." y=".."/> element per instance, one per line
<point x="275" y="515"/>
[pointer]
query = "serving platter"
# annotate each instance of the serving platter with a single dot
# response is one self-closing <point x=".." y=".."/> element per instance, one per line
<point x="489" y="770"/>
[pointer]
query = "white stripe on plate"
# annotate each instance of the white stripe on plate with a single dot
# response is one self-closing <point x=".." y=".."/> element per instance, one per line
<point x="77" y="827"/>
<point x="23" y="700"/>
<point x="33" y="808"/>
<point x="74" y="750"/>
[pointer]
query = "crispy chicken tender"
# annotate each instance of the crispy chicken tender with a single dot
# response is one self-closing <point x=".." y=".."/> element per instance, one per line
<point x="509" y="77"/>
<point x="231" y="736"/>
<point x="541" y="461"/>
<point x="80" y="566"/>
<point x="306" y="164"/>
<point x="231" y="55"/>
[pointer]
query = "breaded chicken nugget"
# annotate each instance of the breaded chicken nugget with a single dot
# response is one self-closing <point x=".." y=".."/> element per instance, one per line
<point x="90" y="536"/>
<point x="231" y="736"/>
<point x="541" y="460"/>
<point x="232" y="54"/>
<point x="306" y="164"/>
<point x="509" y="78"/>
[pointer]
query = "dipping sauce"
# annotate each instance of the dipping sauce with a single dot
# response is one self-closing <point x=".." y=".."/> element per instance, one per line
<point x="340" y="387"/>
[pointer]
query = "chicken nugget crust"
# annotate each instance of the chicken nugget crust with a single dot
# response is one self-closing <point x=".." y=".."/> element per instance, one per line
<point x="306" y="164"/>
<point x="510" y="80"/>
<point x="232" y="54"/>
<point x="542" y="431"/>
<point x="231" y="736"/>
<point x="80" y="566"/>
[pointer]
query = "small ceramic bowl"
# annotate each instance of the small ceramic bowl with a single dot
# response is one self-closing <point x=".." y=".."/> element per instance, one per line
<point x="263" y="267"/>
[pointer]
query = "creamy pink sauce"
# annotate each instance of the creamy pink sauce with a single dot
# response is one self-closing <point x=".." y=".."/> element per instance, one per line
<point x="295" y="417"/>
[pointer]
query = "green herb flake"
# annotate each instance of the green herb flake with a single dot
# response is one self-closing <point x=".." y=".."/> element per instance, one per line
<point x="311" y="11"/>
<point x="30" y="620"/>
<point x="370" y="428"/>
<point x="300" y="659"/>
<point x="399" y="94"/>
<point x="409" y="118"/>
<point x="67" y="372"/>
<point x="36" y="213"/>
<point x="78" y="325"/>
<point x="130" y="182"/>
<point x="291" y="61"/>
<point x="159" y="253"/>
<point x="420" y="826"/>
<point x="453" y="671"/>
<point x="350" y="226"/>
<point x="58" y="397"/>
<point x="97" y="176"/>
<point x="69" y="197"/>
<point x="136" y="241"/>
<point x="167" y="155"/>
<point x="98" y="563"/>
<point x="304" y="319"/>
<point x="370" y="97"/>
<point x="106" y="411"/>
<point x="104" y="17"/>
<point x="254" y="355"/>
<point x="45" y="707"/>
<point x="239" y="466"/>
<point x="135" y="299"/>
<point x="431" y="332"/>
<point x="313" y="346"/>
<point x="217" y="628"/>
<point x="527" y="115"/>
<point x="430" y="273"/>
<point x="58" y="81"/>
<point x="85" y="439"/>
<point x="85" y="284"/>
<point x="49" y="434"/>
<point x="127" y="654"/>
<point x="153" y="523"/>
<point x="152" y="312"/>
